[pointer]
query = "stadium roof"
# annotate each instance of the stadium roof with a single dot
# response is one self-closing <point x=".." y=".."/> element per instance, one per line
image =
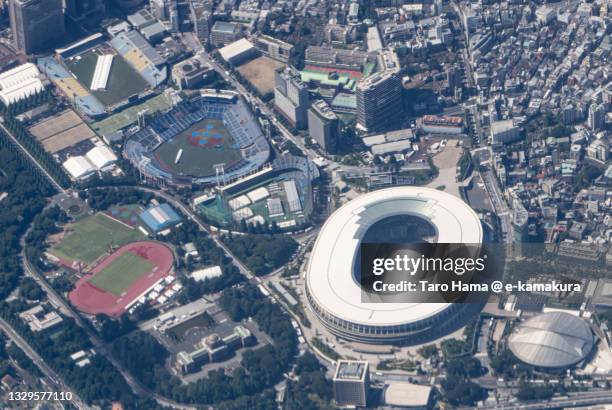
<point x="330" y="270"/>
<point x="139" y="42"/>
<point x="20" y="82"/>
<point x="553" y="339"/>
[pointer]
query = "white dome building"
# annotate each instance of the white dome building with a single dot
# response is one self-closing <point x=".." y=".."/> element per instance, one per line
<point x="552" y="340"/>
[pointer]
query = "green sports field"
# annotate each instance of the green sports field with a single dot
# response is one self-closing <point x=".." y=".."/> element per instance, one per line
<point x="123" y="80"/>
<point x="91" y="237"/>
<point x="199" y="160"/>
<point x="121" y="273"/>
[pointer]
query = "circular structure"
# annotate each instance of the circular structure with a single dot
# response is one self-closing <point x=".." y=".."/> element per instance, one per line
<point x="209" y="138"/>
<point x="121" y="278"/>
<point x="552" y="340"/>
<point x="334" y="293"/>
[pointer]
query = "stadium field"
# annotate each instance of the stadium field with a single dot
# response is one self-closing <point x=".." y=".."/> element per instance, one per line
<point x="121" y="273"/>
<point x="123" y="81"/>
<point x="91" y="237"/>
<point x="204" y="144"/>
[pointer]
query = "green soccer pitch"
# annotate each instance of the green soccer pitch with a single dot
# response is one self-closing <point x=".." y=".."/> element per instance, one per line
<point x="121" y="273"/>
<point x="91" y="237"/>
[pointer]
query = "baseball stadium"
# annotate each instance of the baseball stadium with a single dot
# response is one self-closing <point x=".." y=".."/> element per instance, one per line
<point x="402" y="214"/>
<point x="191" y="142"/>
<point x="100" y="77"/>
<point x="280" y="193"/>
<point x="117" y="282"/>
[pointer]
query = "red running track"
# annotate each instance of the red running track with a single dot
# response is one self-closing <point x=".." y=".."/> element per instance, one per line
<point x="92" y="300"/>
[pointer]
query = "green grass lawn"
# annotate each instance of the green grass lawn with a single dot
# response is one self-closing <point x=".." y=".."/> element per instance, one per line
<point x="198" y="161"/>
<point x="120" y="274"/>
<point x="91" y="237"/>
<point x="123" y="80"/>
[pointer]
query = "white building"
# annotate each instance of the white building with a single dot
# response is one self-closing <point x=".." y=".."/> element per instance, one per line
<point x="206" y="273"/>
<point x="101" y="157"/>
<point x="79" y="167"/>
<point x="238" y="52"/>
<point x="19" y="83"/>
<point x="504" y="132"/>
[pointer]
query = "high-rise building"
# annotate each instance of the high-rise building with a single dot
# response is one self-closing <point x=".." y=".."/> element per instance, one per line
<point x="379" y="96"/>
<point x="291" y="96"/>
<point x="596" y="118"/>
<point x="78" y="10"/>
<point x="453" y="77"/>
<point x="379" y="101"/>
<point x="36" y="24"/>
<point x="201" y="18"/>
<point x="129" y="5"/>
<point x="599" y="151"/>
<point x="504" y="132"/>
<point x="351" y="383"/>
<point x="159" y="8"/>
<point x="323" y="125"/>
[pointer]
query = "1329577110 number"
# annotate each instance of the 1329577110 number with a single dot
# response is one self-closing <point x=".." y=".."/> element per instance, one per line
<point x="39" y="396"/>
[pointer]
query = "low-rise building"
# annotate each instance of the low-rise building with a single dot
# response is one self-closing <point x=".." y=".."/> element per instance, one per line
<point x="192" y="73"/>
<point x="238" y="52"/>
<point x="40" y="318"/>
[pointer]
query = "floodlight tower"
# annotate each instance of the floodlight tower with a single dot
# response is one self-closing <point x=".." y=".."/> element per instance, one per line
<point x="220" y="173"/>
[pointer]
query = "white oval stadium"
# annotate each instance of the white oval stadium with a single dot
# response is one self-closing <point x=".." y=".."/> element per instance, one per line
<point x="388" y="215"/>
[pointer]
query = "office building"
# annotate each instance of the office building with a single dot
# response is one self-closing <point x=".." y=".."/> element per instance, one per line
<point x="436" y="124"/>
<point x="291" y="97"/>
<point x="192" y="73"/>
<point x="273" y="48"/>
<point x="201" y="17"/>
<point x="129" y="5"/>
<point x="504" y="132"/>
<point x="159" y="8"/>
<point x="78" y="10"/>
<point x="323" y="125"/>
<point x="379" y="101"/>
<point x="596" y="118"/>
<point x="379" y="96"/>
<point x="351" y="383"/>
<point x="598" y="151"/>
<point x="223" y="33"/>
<point x="338" y="57"/>
<point x="37" y="25"/>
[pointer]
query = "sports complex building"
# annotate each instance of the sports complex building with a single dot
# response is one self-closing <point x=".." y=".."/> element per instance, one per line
<point x="402" y="214"/>
<point x="100" y="77"/>
<point x="187" y="144"/>
<point x="552" y="340"/>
